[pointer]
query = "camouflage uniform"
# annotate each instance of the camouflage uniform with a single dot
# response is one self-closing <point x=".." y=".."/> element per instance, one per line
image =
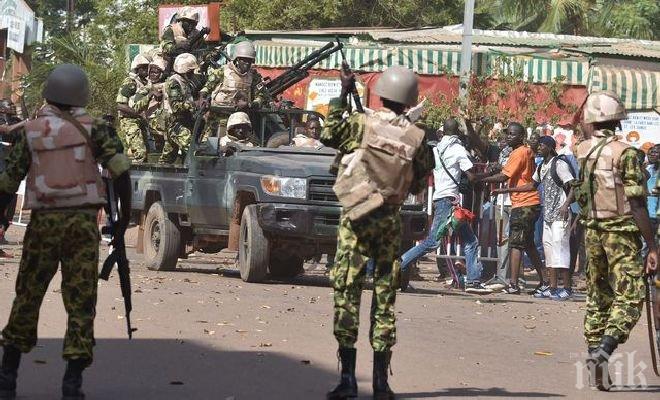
<point x="67" y="236"/>
<point x="375" y="236"/>
<point x="215" y="78"/>
<point x="179" y="121"/>
<point x="615" y="272"/>
<point x="145" y="103"/>
<point x="130" y="128"/>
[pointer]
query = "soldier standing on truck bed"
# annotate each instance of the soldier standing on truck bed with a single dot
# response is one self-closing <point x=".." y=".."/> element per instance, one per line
<point x="58" y="153"/>
<point x="611" y="191"/>
<point x="233" y="85"/>
<point x="130" y="125"/>
<point x="149" y="101"/>
<point x="384" y="158"/>
<point x="178" y="106"/>
<point x="182" y="36"/>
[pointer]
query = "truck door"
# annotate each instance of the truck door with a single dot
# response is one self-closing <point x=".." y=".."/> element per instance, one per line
<point x="205" y="187"/>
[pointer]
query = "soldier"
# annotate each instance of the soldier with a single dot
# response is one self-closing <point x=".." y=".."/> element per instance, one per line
<point x="311" y="136"/>
<point x="611" y="192"/>
<point x="182" y="36"/>
<point x="8" y="118"/>
<point x="178" y="106"/>
<point x="239" y="130"/>
<point x="59" y="153"/>
<point x="130" y="125"/>
<point x="233" y="85"/>
<point x="384" y="159"/>
<point x="149" y="101"/>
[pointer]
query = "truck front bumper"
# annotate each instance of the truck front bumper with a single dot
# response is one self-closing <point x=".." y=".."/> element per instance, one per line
<point x="320" y="223"/>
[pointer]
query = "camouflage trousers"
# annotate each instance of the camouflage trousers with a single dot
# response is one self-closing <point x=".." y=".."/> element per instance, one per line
<point x="72" y="239"/>
<point x="133" y="137"/>
<point x="375" y="236"/>
<point x="177" y="140"/>
<point x="615" y="284"/>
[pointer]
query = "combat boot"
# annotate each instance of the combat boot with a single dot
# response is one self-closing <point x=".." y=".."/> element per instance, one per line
<point x="382" y="389"/>
<point x="72" y="381"/>
<point x="598" y="364"/>
<point x="11" y="358"/>
<point x="347" y="388"/>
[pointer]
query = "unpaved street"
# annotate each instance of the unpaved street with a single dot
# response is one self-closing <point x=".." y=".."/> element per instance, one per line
<point x="205" y="334"/>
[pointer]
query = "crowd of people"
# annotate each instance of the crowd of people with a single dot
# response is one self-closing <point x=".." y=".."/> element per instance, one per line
<point x="528" y="178"/>
<point x="165" y="88"/>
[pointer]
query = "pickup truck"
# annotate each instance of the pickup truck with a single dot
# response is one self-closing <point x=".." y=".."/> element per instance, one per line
<point x="275" y="206"/>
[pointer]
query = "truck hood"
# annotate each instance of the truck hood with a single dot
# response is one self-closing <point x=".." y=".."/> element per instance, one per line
<point x="288" y="161"/>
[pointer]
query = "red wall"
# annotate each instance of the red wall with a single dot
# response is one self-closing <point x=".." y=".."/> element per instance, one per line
<point x="434" y="86"/>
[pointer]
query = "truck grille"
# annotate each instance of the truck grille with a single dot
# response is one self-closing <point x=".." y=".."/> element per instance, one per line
<point x="321" y="190"/>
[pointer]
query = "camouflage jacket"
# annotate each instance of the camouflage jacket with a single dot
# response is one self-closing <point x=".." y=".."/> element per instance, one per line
<point x="145" y="97"/>
<point x="129" y="88"/>
<point x="179" y="99"/>
<point x="107" y="148"/>
<point x="634" y="182"/>
<point x="216" y="76"/>
<point x="345" y="135"/>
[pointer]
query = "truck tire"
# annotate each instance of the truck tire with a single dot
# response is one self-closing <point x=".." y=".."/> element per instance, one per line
<point x="285" y="265"/>
<point x="162" y="240"/>
<point x="253" y="247"/>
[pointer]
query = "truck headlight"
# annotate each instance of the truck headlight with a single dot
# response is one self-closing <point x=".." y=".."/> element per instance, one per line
<point x="284" y="187"/>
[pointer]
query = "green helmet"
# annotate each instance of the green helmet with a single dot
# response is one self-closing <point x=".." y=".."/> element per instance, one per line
<point x="398" y="84"/>
<point x="67" y="84"/>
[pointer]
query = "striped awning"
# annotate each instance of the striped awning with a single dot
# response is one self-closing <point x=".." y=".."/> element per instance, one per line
<point x="638" y="89"/>
<point x="430" y="61"/>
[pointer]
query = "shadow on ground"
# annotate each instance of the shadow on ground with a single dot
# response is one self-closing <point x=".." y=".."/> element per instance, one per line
<point x="474" y="392"/>
<point x="172" y="369"/>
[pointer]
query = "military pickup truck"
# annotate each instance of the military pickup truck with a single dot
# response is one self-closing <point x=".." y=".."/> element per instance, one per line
<point x="275" y="206"/>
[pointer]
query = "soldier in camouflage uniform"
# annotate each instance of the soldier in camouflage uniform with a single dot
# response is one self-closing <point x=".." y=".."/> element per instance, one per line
<point x="64" y="190"/>
<point x="371" y="189"/>
<point x="233" y="85"/>
<point x="130" y="124"/>
<point x="181" y="36"/>
<point x="148" y="101"/>
<point x="611" y="191"/>
<point x="178" y="106"/>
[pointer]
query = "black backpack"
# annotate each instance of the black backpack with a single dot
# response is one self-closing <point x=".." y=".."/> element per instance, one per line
<point x="553" y="171"/>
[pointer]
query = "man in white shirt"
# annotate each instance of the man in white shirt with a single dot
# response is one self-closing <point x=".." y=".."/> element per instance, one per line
<point x="451" y="160"/>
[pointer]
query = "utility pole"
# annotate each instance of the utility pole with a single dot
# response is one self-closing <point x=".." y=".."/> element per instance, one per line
<point x="466" y="51"/>
<point x="70" y="7"/>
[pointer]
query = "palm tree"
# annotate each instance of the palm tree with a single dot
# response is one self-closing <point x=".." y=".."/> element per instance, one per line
<point x="557" y="16"/>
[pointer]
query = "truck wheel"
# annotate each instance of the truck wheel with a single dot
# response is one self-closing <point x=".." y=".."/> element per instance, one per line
<point x="162" y="240"/>
<point x="252" y="248"/>
<point x="285" y="265"/>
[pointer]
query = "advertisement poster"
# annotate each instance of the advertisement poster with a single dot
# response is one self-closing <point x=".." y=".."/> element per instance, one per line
<point x="641" y="128"/>
<point x="321" y="90"/>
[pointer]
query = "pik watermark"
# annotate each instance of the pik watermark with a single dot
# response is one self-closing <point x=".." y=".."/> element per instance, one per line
<point x="626" y="371"/>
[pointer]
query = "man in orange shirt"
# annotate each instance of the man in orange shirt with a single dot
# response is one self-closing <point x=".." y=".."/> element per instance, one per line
<point x="525" y="206"/>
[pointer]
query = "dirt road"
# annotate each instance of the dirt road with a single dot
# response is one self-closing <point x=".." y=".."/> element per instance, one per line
<point x="205" y="334"/>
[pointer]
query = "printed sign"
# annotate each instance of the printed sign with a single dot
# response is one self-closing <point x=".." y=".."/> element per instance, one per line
<point x="321" y="90"/>
<point x="641" y="128"/>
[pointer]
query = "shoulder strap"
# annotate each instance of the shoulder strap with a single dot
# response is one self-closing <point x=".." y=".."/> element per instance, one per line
<point x="69" y="118"/>
<point x="442" y="162"/>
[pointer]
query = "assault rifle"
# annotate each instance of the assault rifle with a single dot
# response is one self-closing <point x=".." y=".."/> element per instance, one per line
<point x="118" y="255"/>
<point x="299" y="71"/>
<point x="346" y="67"/>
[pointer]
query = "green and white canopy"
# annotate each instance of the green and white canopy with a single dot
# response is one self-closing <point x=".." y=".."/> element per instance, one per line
<point x="638" y="89"/>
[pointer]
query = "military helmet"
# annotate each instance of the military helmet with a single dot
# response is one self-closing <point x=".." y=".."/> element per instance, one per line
<point x="139" y="60"/>
<point x="238" y="118"/>
<point x="602" y="107"/>
<point x="7" y="107"/>
<point x="67" y="84"/>
<point x="398" y="84"/>
<point x="159" y="62"/>
<point x="188" y="13"/>
<point x="245" y="49"/>
<point x="185" y="62"/>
